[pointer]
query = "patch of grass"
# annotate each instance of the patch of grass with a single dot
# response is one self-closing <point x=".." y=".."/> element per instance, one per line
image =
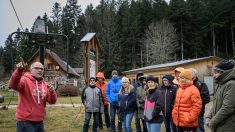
<point x="67" y="100"/>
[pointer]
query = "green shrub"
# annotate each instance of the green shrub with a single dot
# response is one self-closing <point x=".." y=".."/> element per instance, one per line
<point x="67" y="90"/>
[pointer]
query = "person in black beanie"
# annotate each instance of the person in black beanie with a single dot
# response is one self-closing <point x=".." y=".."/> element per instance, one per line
<point x="222" y="116"/>
<point x="92" y="100"/>
<point x="166" y="101"/>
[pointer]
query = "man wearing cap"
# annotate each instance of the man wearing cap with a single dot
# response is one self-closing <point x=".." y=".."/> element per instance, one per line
<point x="92" y="100"/>
<point x="222" y="115"/>
<point x="112" y="91"/>
<point x="166" y="102"/>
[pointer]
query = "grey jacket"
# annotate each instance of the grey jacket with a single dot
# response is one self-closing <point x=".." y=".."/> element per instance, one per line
<point x="92" y="100"/>
<point x="222" y="114"/>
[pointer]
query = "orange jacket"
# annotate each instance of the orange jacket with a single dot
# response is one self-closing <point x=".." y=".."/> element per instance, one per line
<point x="187" y="106"/>
<point x="102" y="87"/>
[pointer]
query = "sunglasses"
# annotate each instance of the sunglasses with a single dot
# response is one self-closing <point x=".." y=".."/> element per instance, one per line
<point x="92" y="80"/>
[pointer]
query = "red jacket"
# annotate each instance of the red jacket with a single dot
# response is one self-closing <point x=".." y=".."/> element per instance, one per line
<point x="187" y="106"/>
<point x="102" y="87"/>
<point x="32" y="96"/>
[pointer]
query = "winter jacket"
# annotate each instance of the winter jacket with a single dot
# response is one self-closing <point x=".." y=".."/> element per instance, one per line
<point x="126" y="101"/>
<point x="204" y="93"/>
<point x="151" y="112"/>
<point x="32" y="96"/>
<point x="187" y="106"/>
<point x="92" y="99"/>
<point x="222" y="113"/>
<point x="167" y="99"/>
<point x="112" y="90"/>
<point x="102" y="87"/>
<point x="140" y="97"/>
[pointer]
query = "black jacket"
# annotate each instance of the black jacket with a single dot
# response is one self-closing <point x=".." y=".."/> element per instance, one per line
<point x="204" y="92"/>
<point x="167" y="99"/>
<point x="153" y="96"/>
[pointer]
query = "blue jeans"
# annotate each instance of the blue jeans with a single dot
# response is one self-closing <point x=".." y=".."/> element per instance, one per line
<point x="137" y="122"/>
<point x="127" y="121"/>
<point x="169" y="124"/>
<point x="87" y="121"/>
<point x="28" y="126"/>
<point x="153" y="127"/>
<point x="200" y="124"/>
<point x="113" y="109"/>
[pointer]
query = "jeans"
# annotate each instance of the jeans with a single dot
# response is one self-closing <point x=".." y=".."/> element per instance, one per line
<point x="87" y="121"/>
<point x="137" y="122"/>
<point x="201" y="124"/>
<point x="106" y="116"/>
<point x="28" y="126"/>
<point x="169" y="124"/>
<point x="113" y="109"/>
<point x="127" y="121"/>
<point x="186" y="129"/>
<point x="153" y="127"/>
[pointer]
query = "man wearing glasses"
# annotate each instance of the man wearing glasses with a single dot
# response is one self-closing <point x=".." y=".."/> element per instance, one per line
<point x="34" y="92"/>
<point x="92" y="100"/>
<point x="222" y="115"/>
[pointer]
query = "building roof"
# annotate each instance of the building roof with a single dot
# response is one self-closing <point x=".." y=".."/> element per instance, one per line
<point x="88" y="37"/>
<point x="172" y="64"/>
<point x="60" y="62"/>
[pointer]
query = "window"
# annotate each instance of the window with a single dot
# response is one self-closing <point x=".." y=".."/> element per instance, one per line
<point x="49" y="66"/>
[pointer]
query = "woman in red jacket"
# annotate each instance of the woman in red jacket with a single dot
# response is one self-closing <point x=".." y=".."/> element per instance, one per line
<point x="187" y="104"/>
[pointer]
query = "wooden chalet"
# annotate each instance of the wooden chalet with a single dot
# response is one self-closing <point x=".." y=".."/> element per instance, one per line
<point x="56" y="68"/>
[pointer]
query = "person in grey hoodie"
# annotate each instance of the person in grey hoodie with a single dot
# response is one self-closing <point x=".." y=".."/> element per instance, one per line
<point x="92" y="100"/>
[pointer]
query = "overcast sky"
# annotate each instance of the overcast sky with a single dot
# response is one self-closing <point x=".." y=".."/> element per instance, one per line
<point x="28" y="10"/>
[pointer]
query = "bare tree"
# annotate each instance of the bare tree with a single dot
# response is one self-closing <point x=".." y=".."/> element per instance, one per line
<point x="160" y="42"/>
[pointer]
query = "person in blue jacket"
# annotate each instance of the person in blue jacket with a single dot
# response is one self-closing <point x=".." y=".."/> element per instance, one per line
<point x="112" y="91"/>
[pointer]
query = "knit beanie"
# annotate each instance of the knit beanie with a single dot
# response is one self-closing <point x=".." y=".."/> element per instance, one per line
<point x="168" y="78"/>
<point x="115" y="72"/>
<point x="225" y="65"/>
<point x="186" y="74"/>
<point x="151" y="78"/>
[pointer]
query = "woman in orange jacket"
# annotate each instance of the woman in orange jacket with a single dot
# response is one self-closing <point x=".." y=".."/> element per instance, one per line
<point x="187" y="105"/>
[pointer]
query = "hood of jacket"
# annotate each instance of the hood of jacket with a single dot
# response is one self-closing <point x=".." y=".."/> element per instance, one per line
<point x="226" y="76"/>
<point x="100" y="75"/>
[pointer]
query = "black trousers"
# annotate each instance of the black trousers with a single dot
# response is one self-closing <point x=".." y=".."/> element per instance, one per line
<point x="106" y="116"/>
<point x="186" y="129"/>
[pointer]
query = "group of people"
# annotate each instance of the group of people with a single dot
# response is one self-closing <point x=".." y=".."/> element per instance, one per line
<point x="179" y="102"/>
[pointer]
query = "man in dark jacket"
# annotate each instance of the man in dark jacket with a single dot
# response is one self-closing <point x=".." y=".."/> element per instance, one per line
<point x="136" y="85"/>
<point x="204" y="93"/>
<point x="166" y="102"/>
<point x="222" y="115"/>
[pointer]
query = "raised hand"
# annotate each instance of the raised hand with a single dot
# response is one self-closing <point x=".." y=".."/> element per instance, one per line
<point x="21" y="65"/>
<point x="50" y="87"/>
